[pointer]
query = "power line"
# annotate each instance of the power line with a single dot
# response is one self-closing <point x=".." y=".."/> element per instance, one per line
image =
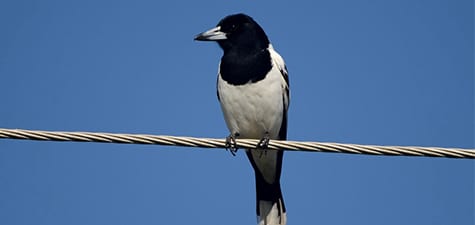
<point x="241" y="143"/>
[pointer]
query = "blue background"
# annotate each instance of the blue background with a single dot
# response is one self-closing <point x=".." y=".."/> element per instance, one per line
<point x="367" y="72"/>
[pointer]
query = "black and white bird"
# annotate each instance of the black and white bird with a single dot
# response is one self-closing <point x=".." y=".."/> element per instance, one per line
<point x="253" y="90"/>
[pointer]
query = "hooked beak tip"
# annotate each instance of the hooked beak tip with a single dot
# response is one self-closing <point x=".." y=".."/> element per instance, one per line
<point x="214" y="34"/>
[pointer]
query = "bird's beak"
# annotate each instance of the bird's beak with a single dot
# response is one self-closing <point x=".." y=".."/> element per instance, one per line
<point x="211" y="35"/>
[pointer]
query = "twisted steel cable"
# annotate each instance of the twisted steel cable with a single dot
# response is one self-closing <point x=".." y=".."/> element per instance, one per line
<point x="241" y="143"/>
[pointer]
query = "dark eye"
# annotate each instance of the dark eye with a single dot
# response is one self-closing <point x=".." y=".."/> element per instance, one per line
<point x="230" y="28"/>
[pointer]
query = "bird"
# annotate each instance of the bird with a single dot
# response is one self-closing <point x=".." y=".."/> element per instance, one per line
<point x="253" y="92"/>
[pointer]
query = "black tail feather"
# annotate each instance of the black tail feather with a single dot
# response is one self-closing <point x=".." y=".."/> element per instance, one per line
<point x="265" y="191"/>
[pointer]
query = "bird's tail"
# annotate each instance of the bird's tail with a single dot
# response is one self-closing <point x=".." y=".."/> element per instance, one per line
<point x="267" y="166"/>
<point x="269" y="203"/>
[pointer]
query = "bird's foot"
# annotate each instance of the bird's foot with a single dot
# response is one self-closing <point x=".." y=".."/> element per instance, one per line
<point x="263" y="144"/>
<point x="231" y="143"/>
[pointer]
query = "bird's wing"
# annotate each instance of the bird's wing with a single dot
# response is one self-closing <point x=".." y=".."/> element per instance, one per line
<point x="279" y="62"/>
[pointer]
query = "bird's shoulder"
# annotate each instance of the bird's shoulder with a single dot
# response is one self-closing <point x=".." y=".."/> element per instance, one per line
<point x="280" y="63"/>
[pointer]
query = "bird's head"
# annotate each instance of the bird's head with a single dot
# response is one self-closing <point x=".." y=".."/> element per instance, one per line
<point x="236" y="31"/>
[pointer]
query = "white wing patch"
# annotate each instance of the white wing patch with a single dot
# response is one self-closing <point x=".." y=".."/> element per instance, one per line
<point x="279" y="62"/>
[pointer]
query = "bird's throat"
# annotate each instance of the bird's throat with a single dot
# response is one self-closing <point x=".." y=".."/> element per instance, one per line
<point x="238" y="68"/>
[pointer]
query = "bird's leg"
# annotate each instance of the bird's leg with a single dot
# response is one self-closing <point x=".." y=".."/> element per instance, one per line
<point x="231" y="143"/>
<point x="264" y="143"/>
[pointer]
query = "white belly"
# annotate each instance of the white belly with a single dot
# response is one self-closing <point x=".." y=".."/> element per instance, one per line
<point x="255" y="108"/>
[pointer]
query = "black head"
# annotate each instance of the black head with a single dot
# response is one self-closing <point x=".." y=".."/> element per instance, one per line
<point x="238" y="31"/>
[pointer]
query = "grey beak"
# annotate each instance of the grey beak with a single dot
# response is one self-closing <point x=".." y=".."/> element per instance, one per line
<point x="211" y="35"/>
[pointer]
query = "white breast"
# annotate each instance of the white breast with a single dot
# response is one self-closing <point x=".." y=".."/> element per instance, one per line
<point x="254" y="108"/>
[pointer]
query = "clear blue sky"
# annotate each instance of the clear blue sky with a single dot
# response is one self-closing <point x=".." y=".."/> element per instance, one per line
<point x="367" y="72"/>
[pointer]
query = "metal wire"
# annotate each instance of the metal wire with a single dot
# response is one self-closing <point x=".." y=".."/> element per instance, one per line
<point x="241" y="143"/>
